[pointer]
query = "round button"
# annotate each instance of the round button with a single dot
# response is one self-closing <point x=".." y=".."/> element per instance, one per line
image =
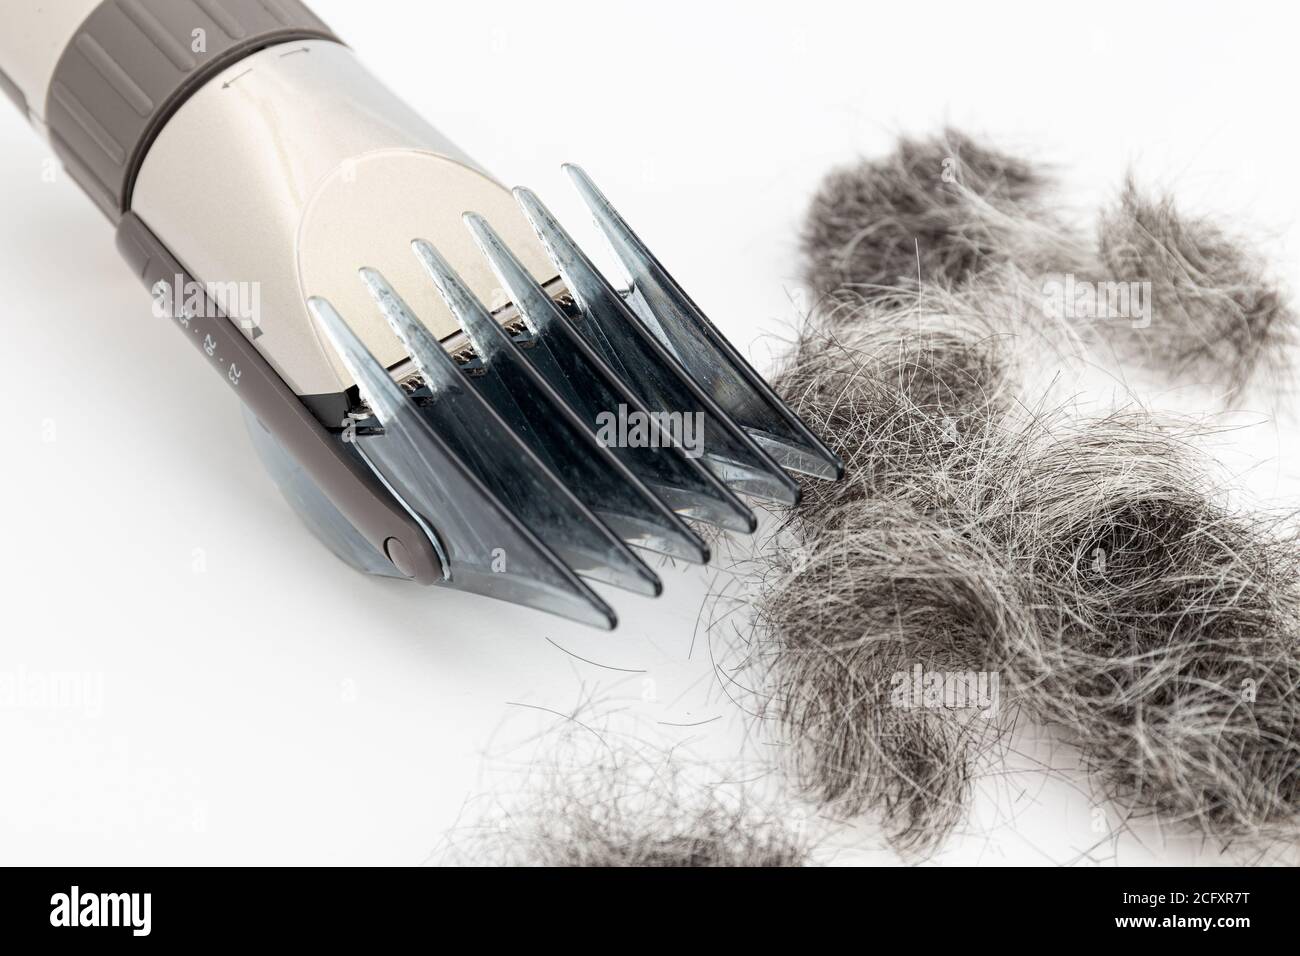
<point x="400" y="557"/>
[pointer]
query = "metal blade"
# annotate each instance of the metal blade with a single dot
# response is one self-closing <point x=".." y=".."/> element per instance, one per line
<point x="563" y="520"/>
<point x="686" y="331"/>
<point x="663" y="384"/>
<point x="487" y="550"/>
<point x="586" y="384"/>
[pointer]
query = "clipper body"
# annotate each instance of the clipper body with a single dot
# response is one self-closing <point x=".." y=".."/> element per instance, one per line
<point x="437" y="376"/>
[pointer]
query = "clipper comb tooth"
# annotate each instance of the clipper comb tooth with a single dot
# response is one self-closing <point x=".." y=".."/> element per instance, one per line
<point x="485" y="548"/>
<point x="681" y="327"/>
<point x="646" y="365"/>
<point x="583" y="381"/>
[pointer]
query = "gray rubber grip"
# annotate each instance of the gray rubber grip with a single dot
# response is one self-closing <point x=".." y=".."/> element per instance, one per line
<point x="134" y="62"/>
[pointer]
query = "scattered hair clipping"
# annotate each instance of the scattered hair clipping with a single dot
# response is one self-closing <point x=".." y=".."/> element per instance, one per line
<point x="625" y="805"/>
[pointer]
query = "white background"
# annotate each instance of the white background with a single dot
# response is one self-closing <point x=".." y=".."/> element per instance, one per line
<point x="253" y="700"/>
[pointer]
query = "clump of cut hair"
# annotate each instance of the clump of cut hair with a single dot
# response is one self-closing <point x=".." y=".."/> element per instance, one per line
<point x="625" y="807"/>
<point x="899" y="393"/>
<point x="940" y="211"/>
<point x="1216" y="316"/>
<point x="884" y="592"/>
<point x="910" y="451"/>
<point x="1168" y="636"/>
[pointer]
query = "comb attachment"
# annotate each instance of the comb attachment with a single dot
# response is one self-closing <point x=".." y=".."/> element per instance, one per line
<point x="595" y="425"/>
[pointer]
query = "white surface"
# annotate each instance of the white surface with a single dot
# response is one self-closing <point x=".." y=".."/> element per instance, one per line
<point x="262" y="703"/>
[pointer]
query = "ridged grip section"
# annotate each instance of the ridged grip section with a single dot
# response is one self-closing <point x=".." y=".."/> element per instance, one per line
<point x="134" y="62"/>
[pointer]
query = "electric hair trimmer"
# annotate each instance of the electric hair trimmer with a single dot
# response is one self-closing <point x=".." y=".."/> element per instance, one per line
<point x="440" y="381"/>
